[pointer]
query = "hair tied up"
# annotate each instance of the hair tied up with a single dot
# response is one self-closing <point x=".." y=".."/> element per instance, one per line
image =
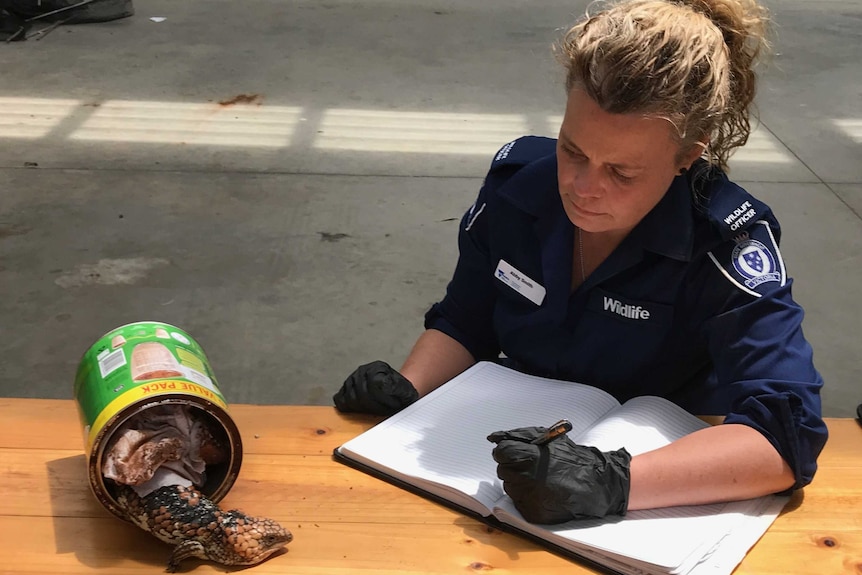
<point x="688" y="61"/>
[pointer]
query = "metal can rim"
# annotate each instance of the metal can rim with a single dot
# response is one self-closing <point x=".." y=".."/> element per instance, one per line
<point x="213" y="410"/>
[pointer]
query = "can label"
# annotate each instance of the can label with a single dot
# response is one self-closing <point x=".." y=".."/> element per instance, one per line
<point x="136" y="362"/>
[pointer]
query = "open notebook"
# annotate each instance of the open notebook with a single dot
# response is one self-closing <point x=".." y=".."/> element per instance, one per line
<point x="438" y="448"/>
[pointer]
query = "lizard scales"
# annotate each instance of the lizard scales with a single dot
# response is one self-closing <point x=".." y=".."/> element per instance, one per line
<point x="184" y="517"/>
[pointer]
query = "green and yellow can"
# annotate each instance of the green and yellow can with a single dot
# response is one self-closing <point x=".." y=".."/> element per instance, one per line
<point x="136" y="367"/>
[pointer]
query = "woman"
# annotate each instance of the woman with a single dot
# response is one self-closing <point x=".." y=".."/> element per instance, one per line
<point x="621" y="256"/>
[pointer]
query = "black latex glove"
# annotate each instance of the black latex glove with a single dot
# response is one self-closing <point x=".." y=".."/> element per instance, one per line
<point x="560" y="480"/>
<point x="375" y="388"/>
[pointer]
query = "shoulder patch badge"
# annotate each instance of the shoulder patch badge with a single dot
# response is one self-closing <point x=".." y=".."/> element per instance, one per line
<point x="754" y="264"/>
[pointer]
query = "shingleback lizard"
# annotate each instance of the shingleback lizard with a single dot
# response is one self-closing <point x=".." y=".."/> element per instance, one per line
<point x="182" y="516"/>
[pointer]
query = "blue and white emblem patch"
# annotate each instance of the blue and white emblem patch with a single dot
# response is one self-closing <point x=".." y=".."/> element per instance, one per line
<point x="754" y="264"/>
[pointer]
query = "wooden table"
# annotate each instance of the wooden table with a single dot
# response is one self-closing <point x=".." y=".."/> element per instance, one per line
<point x="342" y="520"/>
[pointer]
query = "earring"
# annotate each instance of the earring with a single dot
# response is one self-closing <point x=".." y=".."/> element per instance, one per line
<point x="682" y="171"/>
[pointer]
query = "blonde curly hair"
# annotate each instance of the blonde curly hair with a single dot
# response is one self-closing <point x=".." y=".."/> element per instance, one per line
<point x="690" y="62"/>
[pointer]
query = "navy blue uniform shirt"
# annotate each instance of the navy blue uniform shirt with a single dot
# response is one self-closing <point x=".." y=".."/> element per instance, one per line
<point x="694" y="305"/>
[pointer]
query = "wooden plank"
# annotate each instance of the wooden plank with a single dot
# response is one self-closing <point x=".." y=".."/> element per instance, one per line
<point x="844" y="446"/>
<point x="805" y="552"/>
<point x="304" y="491"/>
<point x="292" y="488"/>
<point x="40" y="423"/>
<point x="45" y="482"/>
<point x="344" y="520"/>
<point x="76" y="546"/>
<point x="303" y="430"/>
<point x="53" y="482"/>
<point x="54" y="424"/>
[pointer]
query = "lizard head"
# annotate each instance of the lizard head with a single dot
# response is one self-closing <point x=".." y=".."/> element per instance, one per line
<point x="250" y="540"/>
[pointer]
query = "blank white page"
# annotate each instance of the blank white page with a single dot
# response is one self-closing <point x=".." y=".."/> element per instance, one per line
<point x="443" y="436"/>
<point x="641" y="424"/>
<point x="666" y="537"/>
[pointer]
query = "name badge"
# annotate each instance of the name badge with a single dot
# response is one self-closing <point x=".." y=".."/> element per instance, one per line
<point x="519" y="282"/>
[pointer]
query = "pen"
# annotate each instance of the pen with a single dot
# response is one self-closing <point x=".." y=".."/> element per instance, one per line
<point x="560" y="428"/>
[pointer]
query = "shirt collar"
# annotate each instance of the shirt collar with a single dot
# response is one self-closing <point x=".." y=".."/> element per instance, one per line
<point x="668" y="229"/>
<point x="533" y="189"/>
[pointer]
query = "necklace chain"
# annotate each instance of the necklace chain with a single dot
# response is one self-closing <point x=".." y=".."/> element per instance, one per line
<point x="581" y="256"/>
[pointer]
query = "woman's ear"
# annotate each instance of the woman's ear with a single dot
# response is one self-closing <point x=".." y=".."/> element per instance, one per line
<point x="686" y="158"/>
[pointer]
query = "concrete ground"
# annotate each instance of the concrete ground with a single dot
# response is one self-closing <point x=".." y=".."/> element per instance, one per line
<point x="283" y="179"/>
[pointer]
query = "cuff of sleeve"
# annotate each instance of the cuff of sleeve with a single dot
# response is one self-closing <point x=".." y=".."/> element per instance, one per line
<point x="781" y="418"/>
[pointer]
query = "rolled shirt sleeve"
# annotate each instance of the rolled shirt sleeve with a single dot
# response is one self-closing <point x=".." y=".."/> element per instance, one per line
<point x="759" y="353"/>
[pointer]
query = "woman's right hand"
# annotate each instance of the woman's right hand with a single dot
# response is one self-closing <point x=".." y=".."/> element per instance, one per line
<point x="375" y="388"/>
